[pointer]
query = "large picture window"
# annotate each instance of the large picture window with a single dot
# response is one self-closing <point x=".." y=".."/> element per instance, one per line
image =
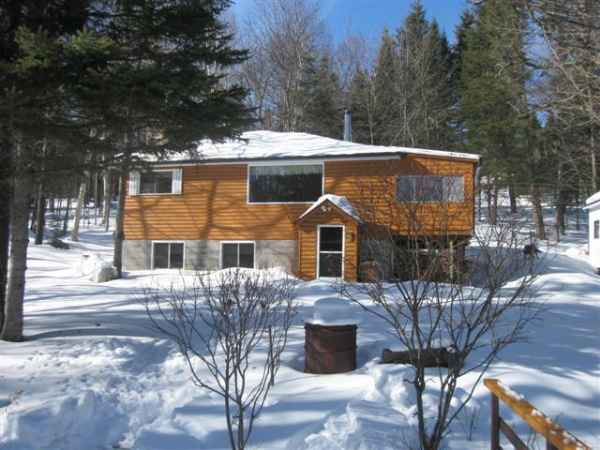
<point x="430" y="188"/>
<point x="285" y="184"/>
<point x="237" y="254"/>
<point x="167" y="255"/>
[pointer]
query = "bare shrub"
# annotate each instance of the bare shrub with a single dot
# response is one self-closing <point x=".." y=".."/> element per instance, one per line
<point x="231" y="327"/>
<point x="434" y="294"/>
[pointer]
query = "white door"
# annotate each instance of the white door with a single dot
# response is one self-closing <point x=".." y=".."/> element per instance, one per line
<point x="330" y="254"/>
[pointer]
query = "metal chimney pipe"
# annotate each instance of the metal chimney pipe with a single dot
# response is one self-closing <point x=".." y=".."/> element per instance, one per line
<point x="347" y="126"/>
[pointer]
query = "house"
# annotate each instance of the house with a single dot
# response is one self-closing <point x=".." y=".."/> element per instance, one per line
<point x="592" y="205"/>
<point x="300" y="201"/>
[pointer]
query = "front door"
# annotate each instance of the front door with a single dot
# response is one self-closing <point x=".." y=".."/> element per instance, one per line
<point x="330" y="257"/>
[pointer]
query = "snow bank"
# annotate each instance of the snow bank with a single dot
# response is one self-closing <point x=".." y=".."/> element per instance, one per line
<point x="384" y="418"/>
<point x="66" y="423"/>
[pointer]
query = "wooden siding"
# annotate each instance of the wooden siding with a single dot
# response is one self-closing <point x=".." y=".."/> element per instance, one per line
<point x="213" y="203"/>
<point x="212" y="206"/>
<point x="307" y="243"/>
<point x="371" y="187"/>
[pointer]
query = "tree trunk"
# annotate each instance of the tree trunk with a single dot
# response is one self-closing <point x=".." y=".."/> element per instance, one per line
<point x="107" y="199"/>
<point x="17" y="265"/>
<point x="78" y="210"/>
<point x="538" y="212"/>
<point x="40" y="215"/>
<point x="96" y="193"/>
<point x="563" y="218"/>
<point x="66" y="217"/>
<point x="559" y="219"/>
<point x="119" y="233"/>
<point x="492" y="201"/>
<point x="512" y="196"/>
<point x="4" y="242"/>
<point x="593" y="161"/>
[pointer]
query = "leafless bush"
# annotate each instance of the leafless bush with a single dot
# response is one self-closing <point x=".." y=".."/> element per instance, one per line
<point x="232" y="328"/>
<point x="436" y="293"/>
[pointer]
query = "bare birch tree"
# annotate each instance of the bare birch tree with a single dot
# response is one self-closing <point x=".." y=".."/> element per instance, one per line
<point x="282" y="35"/>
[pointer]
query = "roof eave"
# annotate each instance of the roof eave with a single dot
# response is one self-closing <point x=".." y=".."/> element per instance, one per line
<point x="375" y="155"/>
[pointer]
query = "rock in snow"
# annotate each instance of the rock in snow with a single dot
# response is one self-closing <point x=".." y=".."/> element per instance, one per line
<point x="97" y="269"/>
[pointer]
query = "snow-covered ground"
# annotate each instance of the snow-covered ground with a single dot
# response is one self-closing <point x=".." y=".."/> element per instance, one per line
<point x="93" y="374"/>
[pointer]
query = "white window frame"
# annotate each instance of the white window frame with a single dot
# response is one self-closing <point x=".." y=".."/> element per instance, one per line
<point x="343" y="227"/>
<point x="169" y="254"/>
<point x="173" y="171"/>
<point x="237" y="242"/>
<point x="284" y="163"/>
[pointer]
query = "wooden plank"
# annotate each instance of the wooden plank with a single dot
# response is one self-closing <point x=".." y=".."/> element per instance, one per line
<point x="512" y="436"/>
<point x="552" y="432"/>
<point x="495" y="428"/>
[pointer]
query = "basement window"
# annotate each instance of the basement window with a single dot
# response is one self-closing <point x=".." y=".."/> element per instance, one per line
<point x="167" y="255"/>
<point x="237" y="254"/>
<point x="294" y="183"/>
<point x="430" y="188"/>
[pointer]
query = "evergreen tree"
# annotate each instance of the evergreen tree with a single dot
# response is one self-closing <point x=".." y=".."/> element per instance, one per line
<point x="385" y="97"/>
<point x="493" y="95"/>
<point x="412" y="97"/>
<point x="362" y="107"/>
<point x="457" y="120"/>
<point x="145" y="78"/>
<point x="321" y="91"/>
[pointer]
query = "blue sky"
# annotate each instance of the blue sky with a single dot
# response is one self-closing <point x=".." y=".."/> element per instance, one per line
<point x="369" y="17"/>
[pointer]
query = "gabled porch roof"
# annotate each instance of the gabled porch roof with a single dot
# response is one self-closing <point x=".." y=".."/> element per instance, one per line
<point x="339" y="202"/>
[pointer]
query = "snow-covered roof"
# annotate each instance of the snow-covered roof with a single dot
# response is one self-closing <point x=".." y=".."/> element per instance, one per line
<point x="594" y="200"/>
<point x="272" y="145"/>
<point x="341" y="202"/>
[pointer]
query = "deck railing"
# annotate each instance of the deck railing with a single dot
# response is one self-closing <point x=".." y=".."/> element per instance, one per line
<point x="556" y="437"/>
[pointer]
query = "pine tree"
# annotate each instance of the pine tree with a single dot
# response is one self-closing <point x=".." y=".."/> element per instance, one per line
<point x="322" y="111"/>
<point x="385" y="96"/>
<point x="31" y="112"/>
<point x="362" y="107"/>
<point x="168" y="74"/>
<point x="144" y="77"/>
<point x="425" y="80"/>
<point x="493" y="96"/>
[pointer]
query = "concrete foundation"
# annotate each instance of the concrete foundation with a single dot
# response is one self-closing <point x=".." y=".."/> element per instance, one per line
<point x="205" y="255"/>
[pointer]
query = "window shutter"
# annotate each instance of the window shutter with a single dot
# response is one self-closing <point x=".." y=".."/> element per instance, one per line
<point x="177" y="177"/>
<point x="134" y="183"/>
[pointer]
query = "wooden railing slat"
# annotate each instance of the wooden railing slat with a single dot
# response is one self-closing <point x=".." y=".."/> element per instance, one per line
<point x="512" y="436"/>
<point x="552" y="432"/>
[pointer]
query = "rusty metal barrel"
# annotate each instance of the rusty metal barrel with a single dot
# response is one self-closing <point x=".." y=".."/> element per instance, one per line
<point x="329" y="348"/>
